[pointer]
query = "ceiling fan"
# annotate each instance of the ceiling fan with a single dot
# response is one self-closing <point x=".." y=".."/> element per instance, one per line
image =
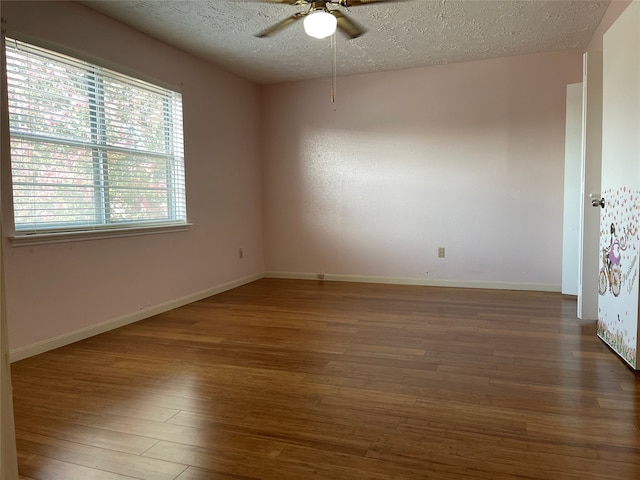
<point x="319" y="20"/>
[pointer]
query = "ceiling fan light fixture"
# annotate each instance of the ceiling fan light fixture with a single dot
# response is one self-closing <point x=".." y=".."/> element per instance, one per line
<point x="320" y="24"/>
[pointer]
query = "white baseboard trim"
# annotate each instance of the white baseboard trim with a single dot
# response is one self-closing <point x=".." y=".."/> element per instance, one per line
<point x="537" y="287"/>
<point x="42" y="346"/>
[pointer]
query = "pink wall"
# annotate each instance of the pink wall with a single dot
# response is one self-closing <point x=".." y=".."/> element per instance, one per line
<point x="55" y="289"/>
<point x="466" y="156"/>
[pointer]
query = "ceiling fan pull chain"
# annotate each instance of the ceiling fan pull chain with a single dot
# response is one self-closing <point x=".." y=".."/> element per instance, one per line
<point x="334" y="44"/>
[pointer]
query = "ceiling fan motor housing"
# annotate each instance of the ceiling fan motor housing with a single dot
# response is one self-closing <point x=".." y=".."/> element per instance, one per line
<point x="318" y="8"/>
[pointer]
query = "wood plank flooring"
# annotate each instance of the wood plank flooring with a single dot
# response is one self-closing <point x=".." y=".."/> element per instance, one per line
<point x="286" y="379"/>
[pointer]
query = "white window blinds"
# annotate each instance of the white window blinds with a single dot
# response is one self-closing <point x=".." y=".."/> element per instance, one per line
<point x="90" y="148"/>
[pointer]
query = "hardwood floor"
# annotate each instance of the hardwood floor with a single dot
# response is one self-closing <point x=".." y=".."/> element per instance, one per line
<point x="284" y="379"/>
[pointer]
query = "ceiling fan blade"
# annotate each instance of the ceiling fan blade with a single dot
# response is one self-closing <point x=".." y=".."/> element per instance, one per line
<point x="280" y="25"/>
<point x="348" y="26"/>
<point x="357" y="3"/>
<point x="289" y="2"/>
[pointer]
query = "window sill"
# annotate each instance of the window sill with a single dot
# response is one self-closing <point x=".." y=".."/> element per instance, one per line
<point x="24" y="240"/>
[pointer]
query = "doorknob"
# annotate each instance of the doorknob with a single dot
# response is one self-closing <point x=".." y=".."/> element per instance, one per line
<point x="597" y="202"/>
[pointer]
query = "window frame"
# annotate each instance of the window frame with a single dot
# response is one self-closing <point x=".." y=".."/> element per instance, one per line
<point x="73" y="233"/>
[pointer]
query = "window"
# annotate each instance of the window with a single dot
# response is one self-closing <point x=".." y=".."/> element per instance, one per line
<point x="91" y="149"/>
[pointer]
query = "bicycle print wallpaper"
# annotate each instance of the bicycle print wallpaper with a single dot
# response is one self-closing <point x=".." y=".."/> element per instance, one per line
<point x="618" y="277"/>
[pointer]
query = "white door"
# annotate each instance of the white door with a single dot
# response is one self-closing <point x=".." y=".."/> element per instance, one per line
<point x="572" y="198"/>
<point x="8" y="459"/>
<point x="620" y="187"/>
<point x="590" y="186"/>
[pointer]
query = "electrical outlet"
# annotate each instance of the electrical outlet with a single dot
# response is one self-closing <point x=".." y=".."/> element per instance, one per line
<point x="240" y="253"/>
<point x="440" y="252"/>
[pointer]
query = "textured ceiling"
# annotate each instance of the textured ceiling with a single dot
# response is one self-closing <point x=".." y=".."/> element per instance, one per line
<point x="401" y="34"/>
